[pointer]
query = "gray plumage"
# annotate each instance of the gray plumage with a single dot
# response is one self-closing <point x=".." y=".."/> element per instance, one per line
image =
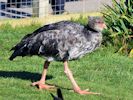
<point x="60" y="41"/>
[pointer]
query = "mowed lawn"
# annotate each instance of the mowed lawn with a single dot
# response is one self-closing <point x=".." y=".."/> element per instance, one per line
<point x="102" y="71"/>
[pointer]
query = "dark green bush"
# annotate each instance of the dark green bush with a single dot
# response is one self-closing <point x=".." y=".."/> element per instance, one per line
<point x="119" y="21"/>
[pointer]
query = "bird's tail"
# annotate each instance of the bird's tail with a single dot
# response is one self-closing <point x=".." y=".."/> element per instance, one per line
<point x="19" y="50"/>
<point x="15" y="54"/>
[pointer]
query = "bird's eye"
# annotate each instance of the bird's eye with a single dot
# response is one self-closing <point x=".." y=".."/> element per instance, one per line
<point x="99" y="22"/>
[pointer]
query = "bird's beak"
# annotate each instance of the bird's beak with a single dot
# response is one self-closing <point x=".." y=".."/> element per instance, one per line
<point x="104" y="26"/>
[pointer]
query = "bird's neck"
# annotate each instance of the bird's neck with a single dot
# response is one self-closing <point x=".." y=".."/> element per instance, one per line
<point x="90" y="29"/>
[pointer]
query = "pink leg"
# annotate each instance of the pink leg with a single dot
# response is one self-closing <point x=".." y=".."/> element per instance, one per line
<point x="74" y="84"/>
<point x="41" y="83"/>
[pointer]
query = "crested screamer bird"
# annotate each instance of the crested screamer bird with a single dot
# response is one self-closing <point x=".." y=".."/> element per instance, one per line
<point x="61" y="41"/>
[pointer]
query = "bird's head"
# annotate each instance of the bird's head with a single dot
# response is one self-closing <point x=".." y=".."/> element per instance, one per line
<point x="96" y="23"/>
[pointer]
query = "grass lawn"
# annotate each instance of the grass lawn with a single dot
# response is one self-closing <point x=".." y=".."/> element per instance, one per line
<point x="102" y="71"/>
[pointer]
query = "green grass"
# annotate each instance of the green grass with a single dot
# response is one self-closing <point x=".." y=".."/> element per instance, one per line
<point x="102" y="71"/>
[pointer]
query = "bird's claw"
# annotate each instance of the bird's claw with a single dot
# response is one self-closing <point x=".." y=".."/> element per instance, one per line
<point x="43" y="86"/>
<point x="85" y="92"/>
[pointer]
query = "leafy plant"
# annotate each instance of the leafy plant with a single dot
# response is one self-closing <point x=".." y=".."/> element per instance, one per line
<point x="119" y="20"/>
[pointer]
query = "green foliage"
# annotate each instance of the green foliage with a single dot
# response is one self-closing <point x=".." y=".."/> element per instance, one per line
<point x="119" y="20"/>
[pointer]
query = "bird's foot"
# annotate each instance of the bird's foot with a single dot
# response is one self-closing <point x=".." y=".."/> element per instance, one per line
<point x="41" y="86"/>
<point x="84" y="92"/>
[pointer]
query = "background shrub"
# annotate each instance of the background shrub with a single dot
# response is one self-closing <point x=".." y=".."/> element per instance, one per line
<point x="119" y="20"/>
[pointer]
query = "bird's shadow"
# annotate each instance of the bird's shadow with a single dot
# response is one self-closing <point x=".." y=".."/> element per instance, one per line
<point x="23" y="75"/>
<point x="27" y="76"/>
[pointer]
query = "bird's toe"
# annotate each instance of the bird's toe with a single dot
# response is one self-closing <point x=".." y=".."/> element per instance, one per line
<point x="46" y="87"/>
<point x="85" y="92"/>
<point x="41" y="85"/>
<point x="36" y="83"/>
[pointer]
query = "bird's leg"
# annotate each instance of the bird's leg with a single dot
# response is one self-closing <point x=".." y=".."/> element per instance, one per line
<point x="41" y="83"/>
<point x="74" y="84"/>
